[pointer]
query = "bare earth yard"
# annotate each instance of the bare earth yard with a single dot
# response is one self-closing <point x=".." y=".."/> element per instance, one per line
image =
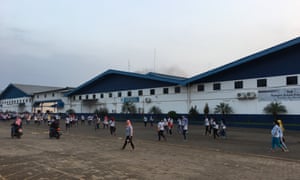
<point x="83" y="153"/>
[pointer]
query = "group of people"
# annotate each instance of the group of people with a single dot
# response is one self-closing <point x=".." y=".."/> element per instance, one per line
<point x="215" y="128"/>
<point x="164" y="125"/>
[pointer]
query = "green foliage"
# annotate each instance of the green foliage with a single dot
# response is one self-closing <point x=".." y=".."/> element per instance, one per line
<point x="129" y="108"/>
<point x="101" y="112"/>
<point x="172" y="114"/>
<point x="206" y="109"/>
<point x="223" y="108"/>
<point x="193" y="112"/>
<point x="155" y="110"/>
<point x="275" y="108"/>
<point x="70" y="111"/>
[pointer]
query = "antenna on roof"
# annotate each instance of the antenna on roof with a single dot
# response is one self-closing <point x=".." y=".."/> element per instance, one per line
<point x="154" y="61"/>
<point x="128" y="65"/>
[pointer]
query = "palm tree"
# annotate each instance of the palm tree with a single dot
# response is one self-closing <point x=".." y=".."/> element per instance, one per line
<point x="275" y="108"/>
<point x="128" y="107"/>
<point x="224" y="109"/>
<point x="155" y="110"/>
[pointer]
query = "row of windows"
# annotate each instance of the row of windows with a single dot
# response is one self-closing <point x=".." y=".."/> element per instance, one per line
<point x="129" y="93"/>
<point x="45" y="95"/>
<point x="290" y="80"/>
<point x="9" y="102"/>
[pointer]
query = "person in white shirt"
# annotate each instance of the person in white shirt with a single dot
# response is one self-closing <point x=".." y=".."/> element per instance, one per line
<point x="112" y="126"/>
<point x="160" y="130"/>
<point x="206" y="124"/>
<point x="215" y="129"/>
<point x="145" y="121"/>
<point x="185" y="123"/>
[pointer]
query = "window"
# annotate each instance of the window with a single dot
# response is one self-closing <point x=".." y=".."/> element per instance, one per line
<point x="53" y="94"/>
<point x="166" y="90"/>
<point x="177" y="89"/>
<point x="110" y="95"/>
<point x="101" y="96"/>
<point x="119" y="94"/>
<point x="262" y="83"/>
<point x="238" y="84"/>
<point x="292" y="80"/>
<point x="129" y="93"/>
<point x="94" y="96"/>
<point x="74" y="98"/>
<point x="217" y="86"/>
<point x="37" y="96"/>
<point x="45" y="95"/>
<point x="152" y="91"/>
<point x="200" y="87"/>
<point x="140" y="92"/>
<point x="79" y="97"/>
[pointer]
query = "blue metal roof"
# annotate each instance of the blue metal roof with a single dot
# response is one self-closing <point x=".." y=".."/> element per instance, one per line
<point x="11" y="91"/>
<point x="121" y="76"/>
<point x="244" y="60"/>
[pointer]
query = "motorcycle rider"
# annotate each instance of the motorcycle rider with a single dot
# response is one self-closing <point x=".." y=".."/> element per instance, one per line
<point x="54" y="126"/>
<point x="16" y="125"/>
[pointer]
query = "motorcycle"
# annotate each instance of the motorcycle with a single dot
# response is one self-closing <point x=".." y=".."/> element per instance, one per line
<point x="54" y="132"/>
<point x="16" y="132"/>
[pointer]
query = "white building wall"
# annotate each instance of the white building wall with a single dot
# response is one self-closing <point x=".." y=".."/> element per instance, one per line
<point x="22" y="104"/>
<point x="228" y="94"/>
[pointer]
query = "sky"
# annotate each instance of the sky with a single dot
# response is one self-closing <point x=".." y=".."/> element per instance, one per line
<point x="67" y="42"/>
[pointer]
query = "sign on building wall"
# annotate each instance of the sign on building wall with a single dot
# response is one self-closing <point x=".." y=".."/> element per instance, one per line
<point x="292" y="94"/>
<point x="130" y="99"/>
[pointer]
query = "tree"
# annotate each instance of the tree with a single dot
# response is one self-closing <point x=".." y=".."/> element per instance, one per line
<point x="172" y="114"/>
<point x="70" y="111"/>
<point x="275" y="108"/>
<point x="193" y="112"/>
<point x="224" y="109"/>
<point x="129" y="107"/>
<point x="101" y="112"/>
<point x="155" y="110"/>
<point x="206" y="110"/>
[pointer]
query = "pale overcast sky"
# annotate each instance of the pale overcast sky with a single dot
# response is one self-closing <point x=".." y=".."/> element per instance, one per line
<point x="68" y="42"/>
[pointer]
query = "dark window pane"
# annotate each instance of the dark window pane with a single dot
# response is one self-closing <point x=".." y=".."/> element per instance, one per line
<point x="292" y="80"/>
<point x="217" y="86"/>
<point x="262" y="83"/>
<point x="238" y="84"/>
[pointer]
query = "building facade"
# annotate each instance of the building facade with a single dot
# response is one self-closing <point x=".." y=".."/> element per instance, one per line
<point x="247" y="85"/>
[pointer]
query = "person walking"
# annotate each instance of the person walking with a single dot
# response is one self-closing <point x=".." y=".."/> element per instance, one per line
<point x="145" y="121"/>
<point x="151" y="120"/>
<point x="215" y="129"/>
<point x="206" y="124"/>
<point x="185" y="123"/>
<point x="282" y="139"/>
<point x="112" y="126"/>
<point x="160" y="130"/>
<point x="128" y="134"/>
<point x="276" y="133"/>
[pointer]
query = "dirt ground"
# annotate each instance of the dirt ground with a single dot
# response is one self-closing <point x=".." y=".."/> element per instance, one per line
<point x="86" y="153"/>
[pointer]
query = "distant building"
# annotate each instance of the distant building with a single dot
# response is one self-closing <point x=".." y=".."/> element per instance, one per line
<point x="247" y="85"/>
<point x="30" y="98"/>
